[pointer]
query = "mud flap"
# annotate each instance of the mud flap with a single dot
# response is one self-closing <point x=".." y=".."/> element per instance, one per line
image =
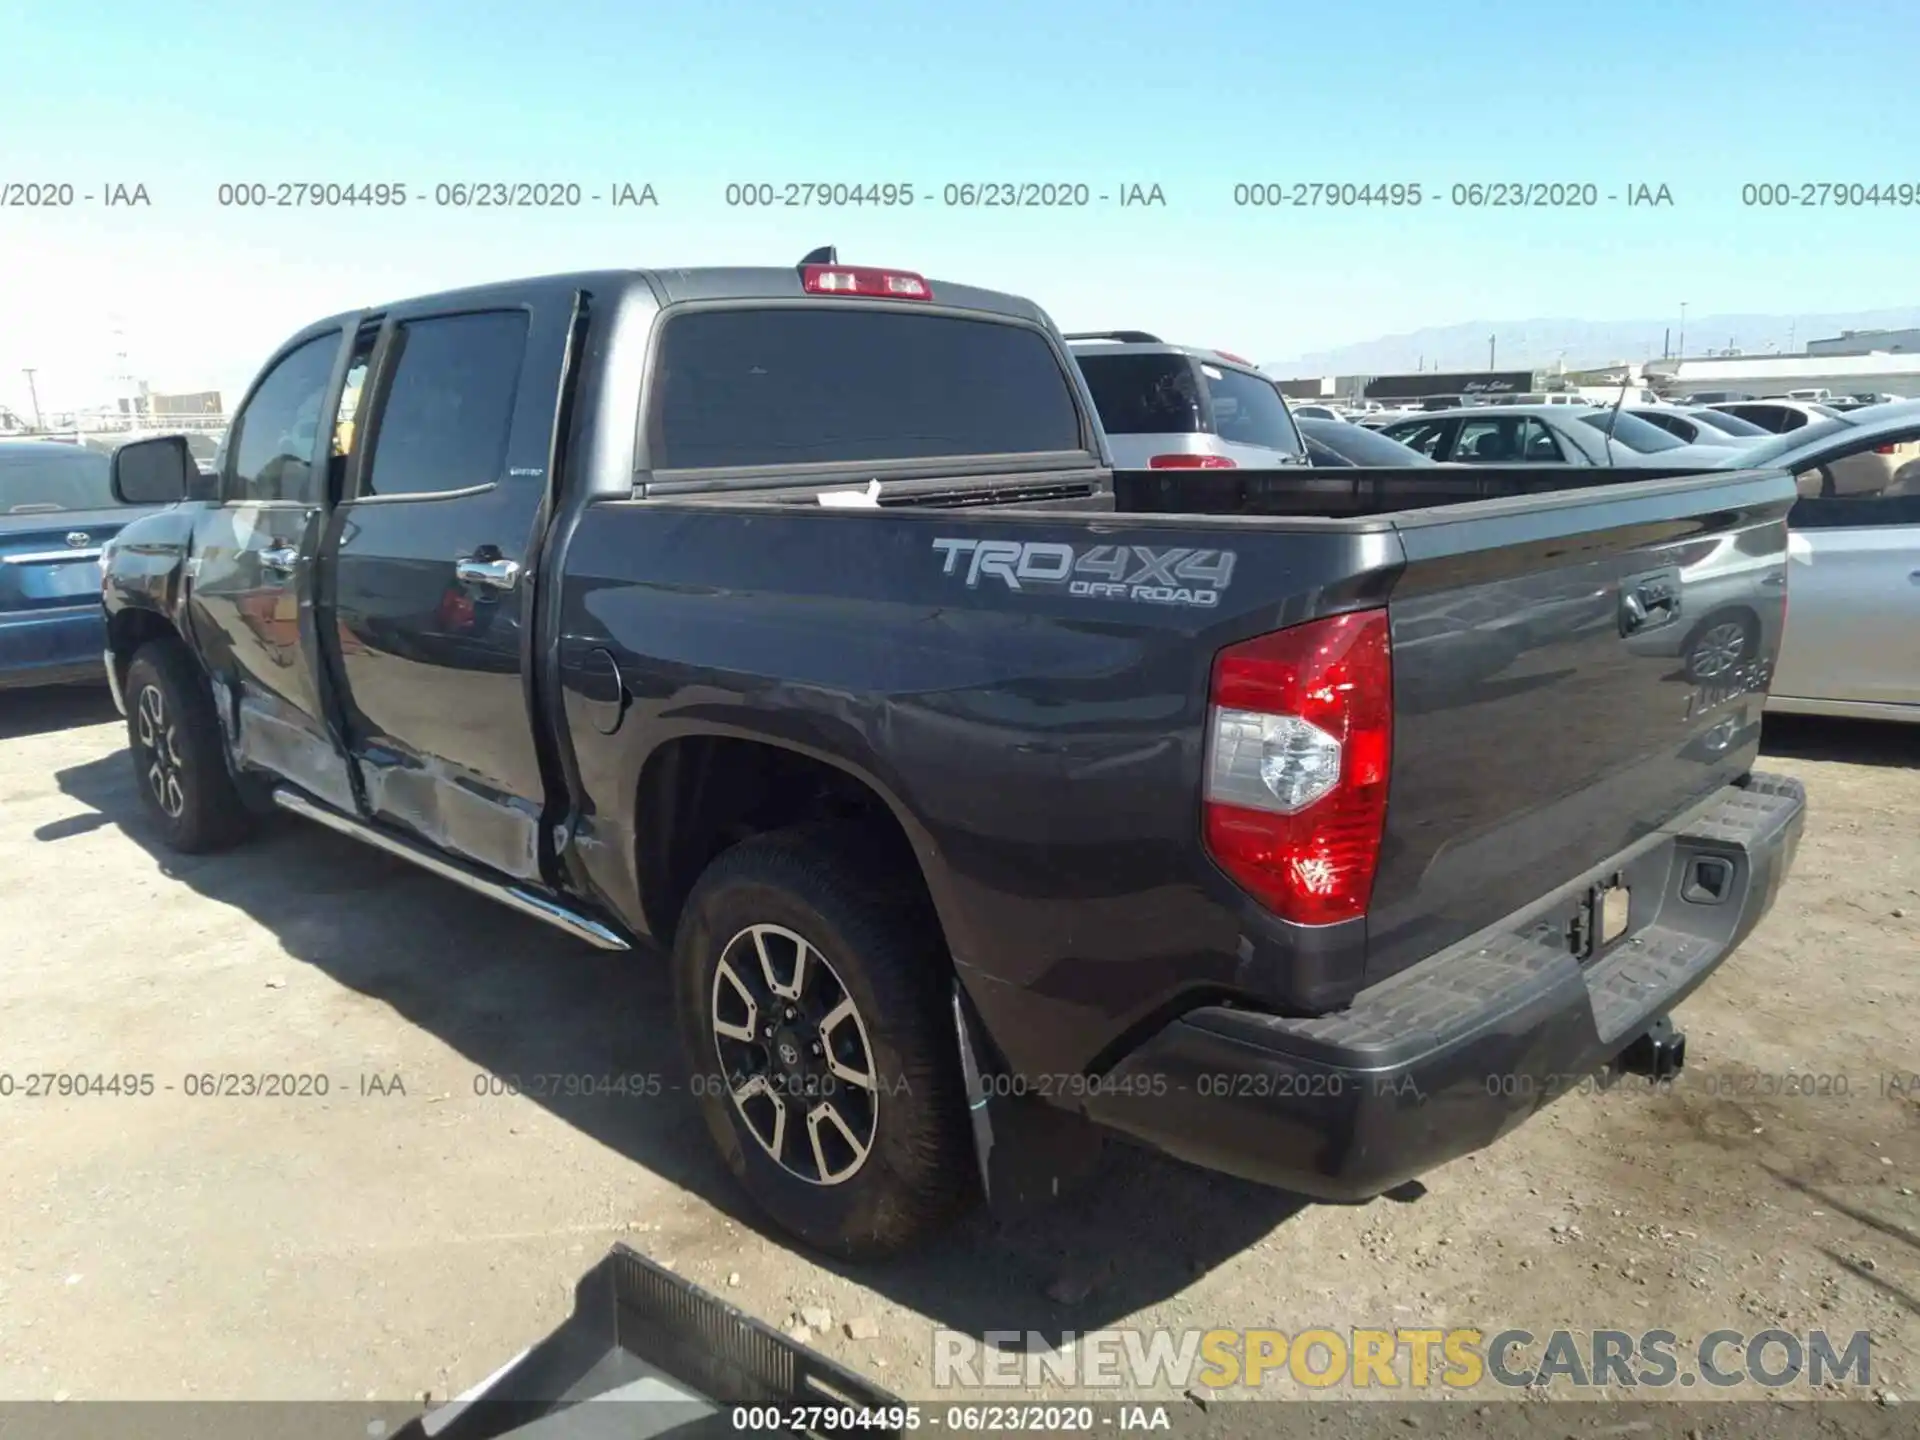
<point x="1029" y="1152"/>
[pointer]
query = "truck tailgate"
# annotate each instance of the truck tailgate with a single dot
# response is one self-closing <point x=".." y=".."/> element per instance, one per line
<point x="1571" y="672"/>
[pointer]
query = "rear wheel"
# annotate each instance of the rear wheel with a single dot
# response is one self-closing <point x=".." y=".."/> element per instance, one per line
<point x="173" y="735"/>
<point x="812" y="991"/>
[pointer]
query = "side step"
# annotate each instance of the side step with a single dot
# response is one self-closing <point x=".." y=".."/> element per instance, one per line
<point x="525" y="901"/>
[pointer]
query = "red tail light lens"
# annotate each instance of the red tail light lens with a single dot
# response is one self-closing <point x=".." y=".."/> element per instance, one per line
<point x="864" y="280"/>
<point x="1886" y="449"/>
<point x="1229" y="355"/>
<point x="1300" y="744"/>
<point x="1190" y="462"/>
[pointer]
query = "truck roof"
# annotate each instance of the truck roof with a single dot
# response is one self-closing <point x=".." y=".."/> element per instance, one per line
<point x="677" y="286"/>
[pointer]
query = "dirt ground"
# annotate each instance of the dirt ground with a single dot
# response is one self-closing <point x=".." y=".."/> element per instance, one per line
<point x="408" y="1231"/>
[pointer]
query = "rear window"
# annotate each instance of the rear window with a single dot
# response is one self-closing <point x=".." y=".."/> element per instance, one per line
<point x="1249" y="411"/>
<point x="1633" y="432"/>
<point x="817" y="384"/>
<point x="1145" y="394"/>
<point x="40" y="478"/>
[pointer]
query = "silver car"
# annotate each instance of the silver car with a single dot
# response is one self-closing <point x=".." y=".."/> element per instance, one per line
<point x="1547" y="435"/>
<point x="1852" y="641"/>
<point x="1180" y="407"/>
<point x="1699" y="427"/>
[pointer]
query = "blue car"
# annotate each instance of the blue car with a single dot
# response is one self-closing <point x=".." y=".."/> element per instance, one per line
<point x="56" y="510"/>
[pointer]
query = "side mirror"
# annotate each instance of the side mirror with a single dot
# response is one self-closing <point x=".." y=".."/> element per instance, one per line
<point x="154" y="472"/>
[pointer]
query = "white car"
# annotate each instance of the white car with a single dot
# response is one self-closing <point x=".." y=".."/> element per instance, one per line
<point x="1777" y="417"/>
<point x="1692" y="427"/>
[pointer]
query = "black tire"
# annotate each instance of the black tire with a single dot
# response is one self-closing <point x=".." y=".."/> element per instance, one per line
<point x="884" y="952"/>
<point x="179" y="763"/>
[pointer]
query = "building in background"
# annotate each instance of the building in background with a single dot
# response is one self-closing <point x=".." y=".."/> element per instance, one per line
<point x="1771" y="375"/>
<point x="1867" y="342"/>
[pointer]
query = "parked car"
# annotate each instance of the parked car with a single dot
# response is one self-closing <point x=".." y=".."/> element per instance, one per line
<point x="1547" y="435"/>
<point x="1777" y="417"/>
<point x="1316" y="412"/>
<point x="56" y="511"/>
<point x="1335" y="442"/>
<point x="975" y="789"/>
<point x="1852" y="646"/>
<point x="1168" y="407"/>
<point x="1688" y="428"/>
<point x="1722" y="420"/>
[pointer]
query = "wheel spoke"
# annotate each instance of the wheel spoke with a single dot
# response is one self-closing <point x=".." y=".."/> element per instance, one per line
<point x="176" y="800"/>
<point x="790" y="988"/>
<point x="818" y="1119"/>
<point x="756" y="1088"/>
<point x="151" y="713"/>
<point x="843" y="1014"/>
<point x="157" y="782"/>
<point x="746" y="1030"/>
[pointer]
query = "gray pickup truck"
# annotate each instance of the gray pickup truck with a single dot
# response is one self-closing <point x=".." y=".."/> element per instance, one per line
<point x="1313" y="825"/>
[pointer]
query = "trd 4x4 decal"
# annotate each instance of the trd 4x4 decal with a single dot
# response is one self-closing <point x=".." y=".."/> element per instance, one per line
<point x="1176" y="576"/>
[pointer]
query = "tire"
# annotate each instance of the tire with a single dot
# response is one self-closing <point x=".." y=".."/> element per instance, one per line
<point x="179" y="760"/>
<point x="882" y="952"/>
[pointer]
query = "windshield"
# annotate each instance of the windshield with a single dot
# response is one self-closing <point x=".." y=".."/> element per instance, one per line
<point x="1769" y="452"/>
<point x="53" y="477"/>
<point x="1248" y="410"/>
<point x="1728" y="423"/>
<point x="1636" y="434"/>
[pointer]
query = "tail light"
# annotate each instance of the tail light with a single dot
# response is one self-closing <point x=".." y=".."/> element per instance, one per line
<point x="1190" y="462"/>
<point x="1301" y="737"/>
<point x="1886" y="449"/>
<point x="864" y="280"/>
<point x="1229" y="355"/>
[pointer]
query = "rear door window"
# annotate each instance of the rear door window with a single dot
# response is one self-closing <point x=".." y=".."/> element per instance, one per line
<point x="1248" y="410"/>
<point x="1145" y="394"/>
<point x="823" y="384"/>
<point x="1429" y="437"/>
<point x="449" y="405"/>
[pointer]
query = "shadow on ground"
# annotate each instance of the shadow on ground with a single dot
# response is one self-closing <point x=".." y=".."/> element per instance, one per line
<point x="44" y="709"/>
<point x="1847" y="742"/>
<point x="516" y="998"/>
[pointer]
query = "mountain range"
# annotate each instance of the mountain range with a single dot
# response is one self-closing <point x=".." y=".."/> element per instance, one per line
<point x="1543" y="344"/>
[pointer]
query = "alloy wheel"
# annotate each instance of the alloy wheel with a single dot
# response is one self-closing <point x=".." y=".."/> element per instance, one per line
<point x="159" y="754"/>
<point x="794" y="1054"/>
<point x="1719" y="649"/>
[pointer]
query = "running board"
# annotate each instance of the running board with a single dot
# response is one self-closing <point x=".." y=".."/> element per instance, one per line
<point x="527" y="903"/>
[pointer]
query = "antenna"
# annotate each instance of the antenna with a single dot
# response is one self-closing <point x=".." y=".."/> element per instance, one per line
<point x="1626" y="379"/>
<point x="825" y="255"/>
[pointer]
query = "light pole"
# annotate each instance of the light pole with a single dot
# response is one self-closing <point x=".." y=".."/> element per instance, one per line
<point x="34" y="393"/>
<point x="1489" y="352"/>
<point x="1683" y="331"/>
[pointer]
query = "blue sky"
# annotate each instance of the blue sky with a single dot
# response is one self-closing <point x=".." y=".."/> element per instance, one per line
<point x="1701" y="97"/>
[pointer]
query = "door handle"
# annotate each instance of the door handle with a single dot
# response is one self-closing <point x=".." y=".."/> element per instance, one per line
<point x="1649" y="601"/>
<point x="494" y="574"/>
<point x="281" y="559"/>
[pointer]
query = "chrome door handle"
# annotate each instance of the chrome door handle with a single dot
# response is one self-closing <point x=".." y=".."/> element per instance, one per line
<point x="281" y="559"/>
<point x="494" y="574"/>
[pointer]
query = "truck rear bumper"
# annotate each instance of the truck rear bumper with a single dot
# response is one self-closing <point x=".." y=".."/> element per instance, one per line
<point x="1448" y="1055"/>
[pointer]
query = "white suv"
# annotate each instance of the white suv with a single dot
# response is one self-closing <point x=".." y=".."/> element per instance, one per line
<point x="1168" y="407"/>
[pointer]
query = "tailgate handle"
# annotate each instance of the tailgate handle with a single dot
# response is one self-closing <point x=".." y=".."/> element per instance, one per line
<point x="1648" y="601"/>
